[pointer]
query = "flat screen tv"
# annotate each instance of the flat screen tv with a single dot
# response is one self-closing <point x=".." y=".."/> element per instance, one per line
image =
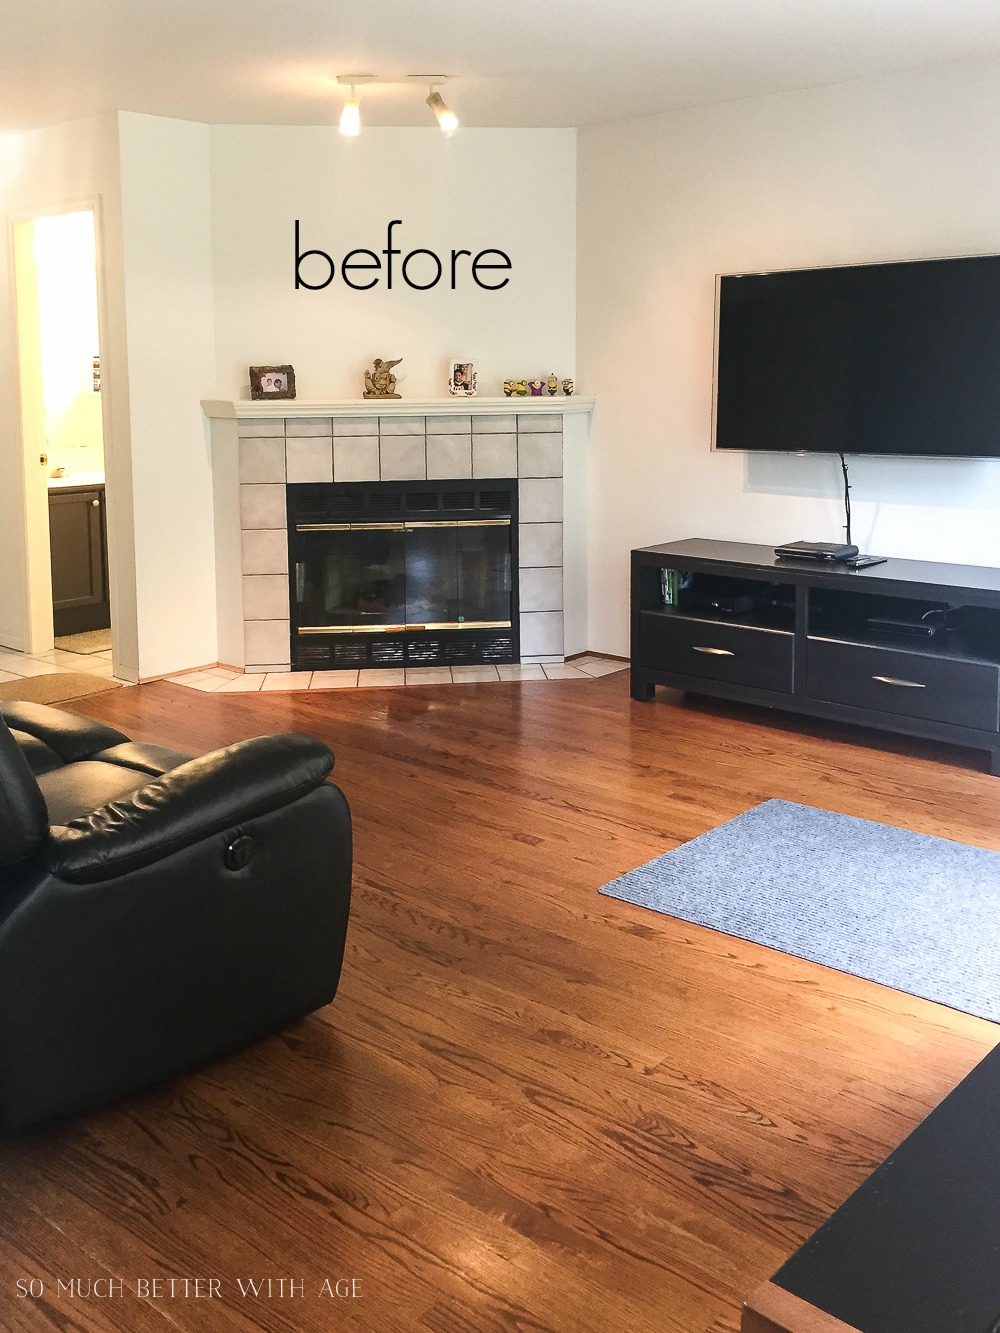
<point x="869" y="359"/>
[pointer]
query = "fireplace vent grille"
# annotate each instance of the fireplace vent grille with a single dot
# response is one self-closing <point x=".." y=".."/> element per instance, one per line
<point x="388" y="652"/>
<point x="348" y="654"/>
<point x="401" y="650"/>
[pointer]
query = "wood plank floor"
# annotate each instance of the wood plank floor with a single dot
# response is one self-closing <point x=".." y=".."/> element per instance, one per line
<point x="530" y="1107"/>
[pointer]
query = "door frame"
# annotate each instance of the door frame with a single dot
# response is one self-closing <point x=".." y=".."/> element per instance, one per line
<point x="37" y="560"/>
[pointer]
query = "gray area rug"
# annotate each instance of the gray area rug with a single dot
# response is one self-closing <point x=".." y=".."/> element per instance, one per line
<point x="916" y="913"/>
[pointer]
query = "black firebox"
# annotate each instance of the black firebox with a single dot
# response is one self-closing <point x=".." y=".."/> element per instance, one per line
<point x="403" y="573"/>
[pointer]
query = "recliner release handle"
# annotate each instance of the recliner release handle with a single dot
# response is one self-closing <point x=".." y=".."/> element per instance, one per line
<point x="239" y="853"/>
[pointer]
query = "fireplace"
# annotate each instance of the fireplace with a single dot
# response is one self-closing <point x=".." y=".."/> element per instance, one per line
<point x="474" y="446"/>
<point x="391" y="574"/>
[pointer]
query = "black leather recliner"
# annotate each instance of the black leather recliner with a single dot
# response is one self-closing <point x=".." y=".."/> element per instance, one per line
<point x="156" y="911"/>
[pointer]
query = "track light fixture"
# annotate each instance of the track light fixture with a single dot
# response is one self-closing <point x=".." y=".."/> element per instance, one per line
<point x="350" y="117"/>
<point x="445" y="118"/>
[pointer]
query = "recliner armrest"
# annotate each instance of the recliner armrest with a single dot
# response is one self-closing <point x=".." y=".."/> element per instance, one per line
<point x="70" y="736"/>
<point x="208" y="795"/>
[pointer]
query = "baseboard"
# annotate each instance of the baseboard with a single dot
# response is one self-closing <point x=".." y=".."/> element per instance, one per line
<point x="604" y="657"/>
<point x="185" y="671"/>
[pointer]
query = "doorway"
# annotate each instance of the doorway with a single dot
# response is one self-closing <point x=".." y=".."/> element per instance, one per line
<point x="63" y="434"/>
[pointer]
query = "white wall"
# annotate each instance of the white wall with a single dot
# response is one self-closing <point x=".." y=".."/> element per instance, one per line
<point x="197" y="236"/>
<point x="165" y="204"/>
<point x="881" y="169"/>
<point x="513" y="190"/>
<point x="40" y="172"/>
<point x="148" y="178"/>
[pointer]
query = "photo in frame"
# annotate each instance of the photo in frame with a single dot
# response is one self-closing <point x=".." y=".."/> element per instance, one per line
<point x="272" y="382"/>
<point x="463" y="379"/>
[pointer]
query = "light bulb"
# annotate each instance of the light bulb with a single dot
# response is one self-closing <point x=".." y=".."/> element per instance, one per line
<point x="350" y="117"/>
<point x="445" y="118"/>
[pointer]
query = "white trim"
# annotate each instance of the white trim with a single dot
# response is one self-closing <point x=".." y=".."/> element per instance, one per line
<point x="38" y="592"/>
<point x="246" y="410"/>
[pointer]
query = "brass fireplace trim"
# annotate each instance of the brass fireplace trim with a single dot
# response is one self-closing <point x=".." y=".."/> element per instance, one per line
<point x="405" y="527"/>
<point x="457" y="523"/>
<point x="350" y="527"/>
<point x="401" y="628"/>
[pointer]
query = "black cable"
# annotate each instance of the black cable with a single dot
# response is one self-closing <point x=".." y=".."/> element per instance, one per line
<point x="847" y="496"/>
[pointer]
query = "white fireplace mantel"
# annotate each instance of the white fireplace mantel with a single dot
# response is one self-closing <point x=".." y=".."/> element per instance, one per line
<point x="248" y="410"/>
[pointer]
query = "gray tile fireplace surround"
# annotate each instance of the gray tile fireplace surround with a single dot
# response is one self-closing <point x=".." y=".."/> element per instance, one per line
<point x="279" y="450"/>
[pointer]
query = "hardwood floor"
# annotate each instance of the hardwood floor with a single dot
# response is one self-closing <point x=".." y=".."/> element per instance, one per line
<point x="530" y="1107"/>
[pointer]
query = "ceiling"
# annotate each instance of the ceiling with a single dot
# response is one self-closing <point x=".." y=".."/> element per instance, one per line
<point x="519" y="63"/>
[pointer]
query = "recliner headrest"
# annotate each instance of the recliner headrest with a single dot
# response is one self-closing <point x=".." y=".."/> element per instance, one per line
<point x="24" y="820"/>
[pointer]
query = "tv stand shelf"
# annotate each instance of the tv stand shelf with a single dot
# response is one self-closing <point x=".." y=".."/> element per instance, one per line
<point x="795" y="634"/>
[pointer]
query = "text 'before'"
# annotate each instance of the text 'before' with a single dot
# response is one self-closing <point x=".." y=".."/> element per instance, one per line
<point x="419" y="269"/>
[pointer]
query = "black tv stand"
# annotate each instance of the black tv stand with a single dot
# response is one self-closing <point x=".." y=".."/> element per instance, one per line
<point x="733" y="620"/>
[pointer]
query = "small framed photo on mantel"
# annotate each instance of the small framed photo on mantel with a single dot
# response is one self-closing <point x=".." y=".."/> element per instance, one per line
<point x="462" y="383"/>
<point x="272" y="382"/>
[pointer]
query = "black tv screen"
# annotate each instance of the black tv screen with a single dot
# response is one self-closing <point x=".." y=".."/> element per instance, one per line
<point x="870" y="359"/>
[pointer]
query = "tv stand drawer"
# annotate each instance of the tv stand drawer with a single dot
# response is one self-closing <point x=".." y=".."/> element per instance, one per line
<point x="890" y="680"/>
<point x="747" y="655"/>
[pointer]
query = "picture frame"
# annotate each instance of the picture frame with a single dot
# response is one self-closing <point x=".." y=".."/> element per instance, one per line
<point x="272" y="382"/>
<point x="462" y="382"/>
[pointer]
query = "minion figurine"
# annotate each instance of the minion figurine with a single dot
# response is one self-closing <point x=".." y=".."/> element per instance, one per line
<point x="508" y="388"/>
<point x="568" y="387"/>
<point x="521" y="388"/>
<point x="552" y="384"/>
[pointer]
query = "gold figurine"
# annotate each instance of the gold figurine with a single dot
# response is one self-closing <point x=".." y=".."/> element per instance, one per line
<point x="379" y="381"/>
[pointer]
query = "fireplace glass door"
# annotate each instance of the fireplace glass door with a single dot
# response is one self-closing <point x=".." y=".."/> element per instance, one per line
<point x="371" y="577"/>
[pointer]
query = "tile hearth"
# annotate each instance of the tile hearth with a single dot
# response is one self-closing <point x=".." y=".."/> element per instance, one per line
<point x="222" y="680"/>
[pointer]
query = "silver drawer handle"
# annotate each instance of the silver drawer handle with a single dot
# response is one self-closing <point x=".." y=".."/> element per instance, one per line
<point x="715" y="652"/>
<point x="906" y="684"/>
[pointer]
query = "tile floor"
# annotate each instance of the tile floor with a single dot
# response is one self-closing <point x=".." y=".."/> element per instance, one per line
<point x="15" y="666"/>
<point x="221" y="680"/>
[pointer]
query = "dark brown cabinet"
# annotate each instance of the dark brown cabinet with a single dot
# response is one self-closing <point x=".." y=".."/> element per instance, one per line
<point x="905" y="681"/>
<point x="79" y="547"/>
<point x="752" y="655"/>
<point x="907" y="645"/>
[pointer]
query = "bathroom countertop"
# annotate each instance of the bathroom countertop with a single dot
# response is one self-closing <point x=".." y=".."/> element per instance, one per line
<point x="76" y="479"/>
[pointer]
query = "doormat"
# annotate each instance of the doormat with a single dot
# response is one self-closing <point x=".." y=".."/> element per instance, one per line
<point x="54" y="689"/>
<point x="90" y="641"/>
